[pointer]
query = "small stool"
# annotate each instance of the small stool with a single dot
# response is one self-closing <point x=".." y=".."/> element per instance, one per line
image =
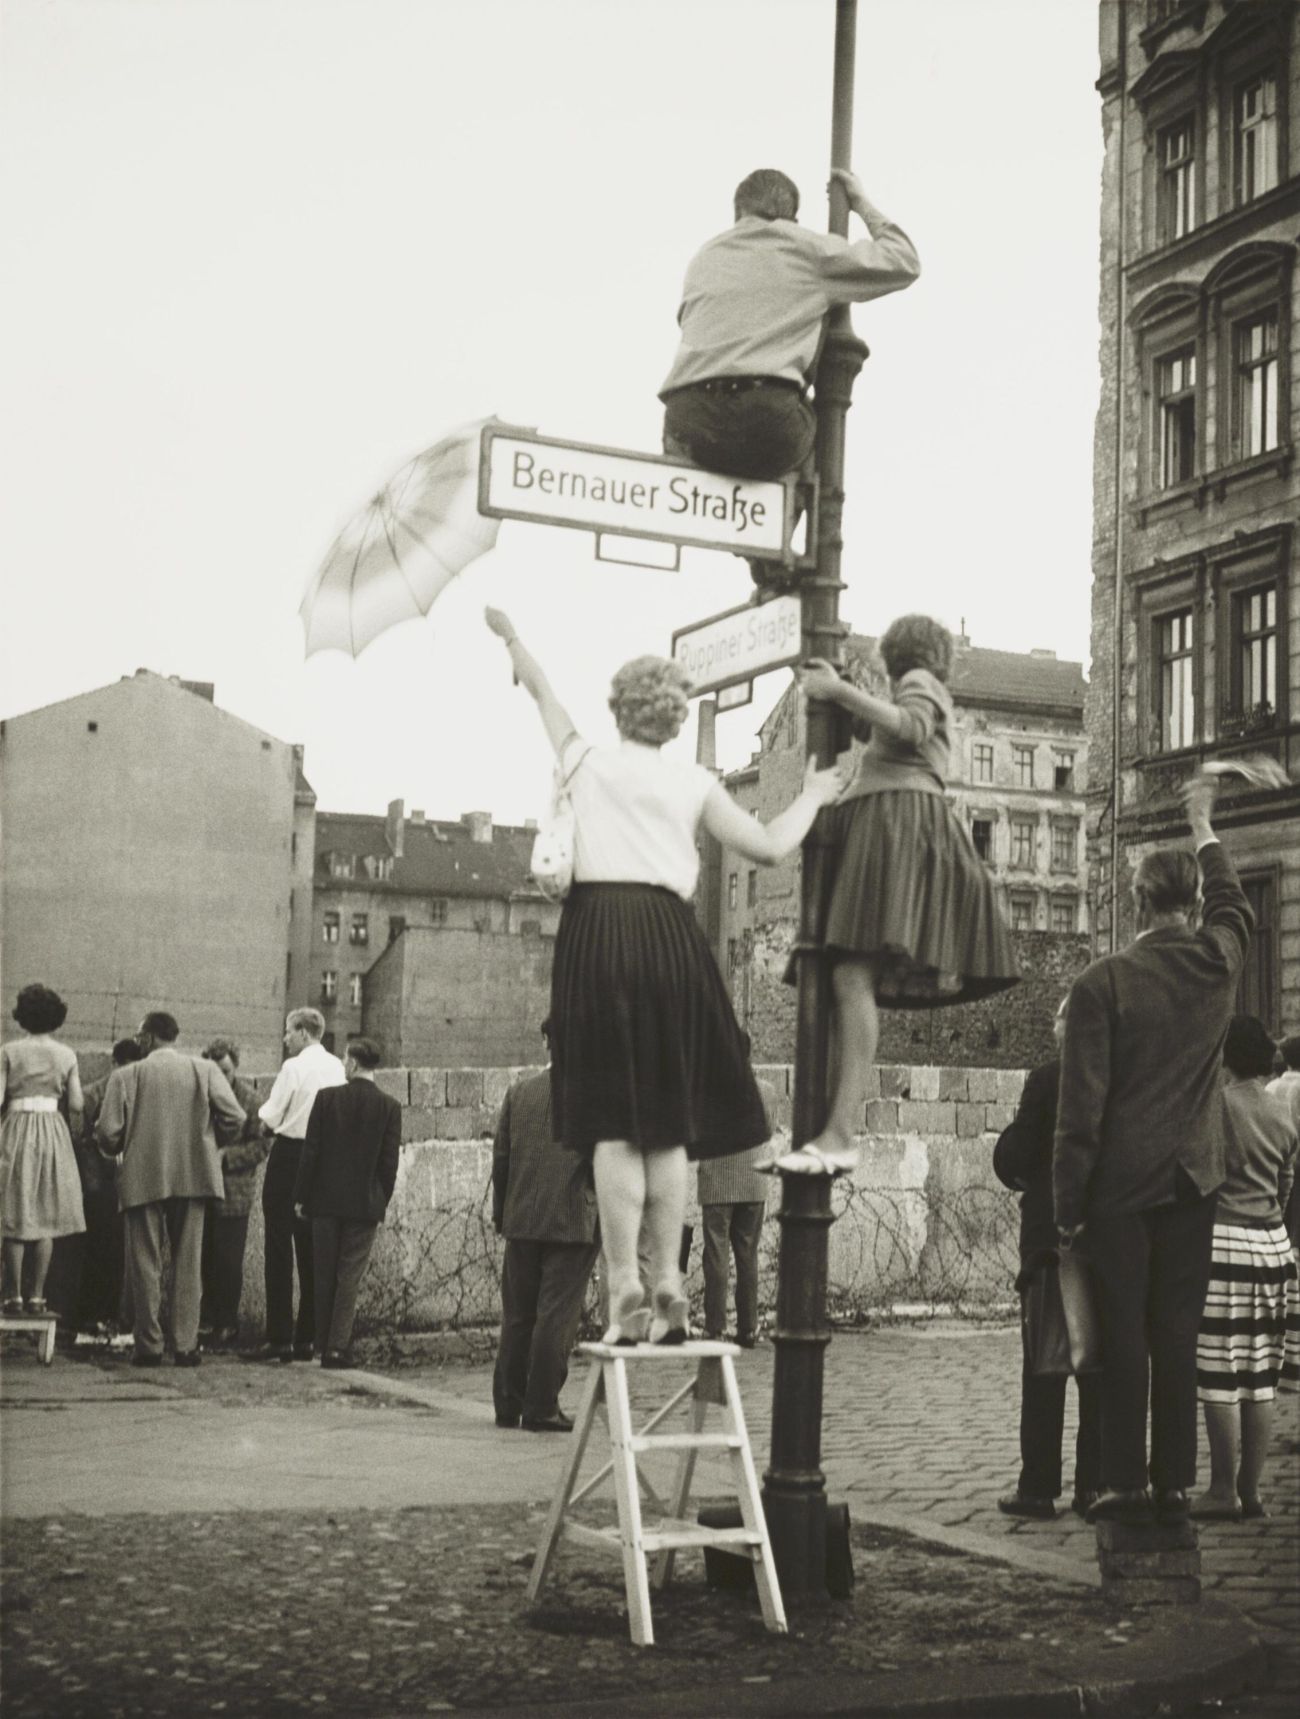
<point x="43" y="1324"/>
<point x="714" y="1381"/>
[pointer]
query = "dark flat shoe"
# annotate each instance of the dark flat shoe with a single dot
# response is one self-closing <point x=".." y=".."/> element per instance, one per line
<point x="559" y="1422"/>
<point x="188" y="1358"/>
<point x="1082" y="1503"/>
<point x="335" y="1359"/>
<point x="1126" y="1506"/>
<point x="1253" y="1510"/>
<point x="301" y="1352"/>
<point x="1022" y="1504"/>
<point x="1171" y="1504"/>
<point x="508" y="1422"/>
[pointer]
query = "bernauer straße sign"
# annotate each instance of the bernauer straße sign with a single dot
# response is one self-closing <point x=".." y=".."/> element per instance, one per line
<point x="526" y="476"/>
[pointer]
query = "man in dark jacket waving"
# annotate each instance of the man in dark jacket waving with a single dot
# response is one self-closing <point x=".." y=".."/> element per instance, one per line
<point x="1139" y="1153"/>
<point x="345" y="1180"/>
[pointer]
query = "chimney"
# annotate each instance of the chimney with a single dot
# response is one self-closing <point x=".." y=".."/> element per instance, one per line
<point x="479" y="825"/>
<point x="706" y="733"/>
<point x="530" y="824"/>
<point x="395" y="827"/>
<point x="417" y="814"/>
<point x="1050" y="655"/>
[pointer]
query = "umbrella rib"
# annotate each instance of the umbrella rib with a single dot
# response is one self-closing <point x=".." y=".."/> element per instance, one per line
<point x="397" y="561"/>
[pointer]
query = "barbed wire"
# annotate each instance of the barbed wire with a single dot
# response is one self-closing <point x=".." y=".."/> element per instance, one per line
<point x="958" y="1249"/>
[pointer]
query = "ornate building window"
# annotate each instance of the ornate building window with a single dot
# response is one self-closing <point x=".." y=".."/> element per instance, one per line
<point x="1022" y="762"/>
<point x="1255" y="137"/>
<point x="1064" y="913"/>
<point x="1065" y="844"/>
<point x="330" y="929"/>
<point x="1250" y="581"/>
<point x="981" y="835"/>
<point x="1176" y="679"/>
<point x="1176" y="179"/>
<point x="1022" y="912"/>
<point x="1024" y="842"/>
<point x="981" y="767"/>
<point x="1255" y="396"/>
<point x="1176" y="418"/>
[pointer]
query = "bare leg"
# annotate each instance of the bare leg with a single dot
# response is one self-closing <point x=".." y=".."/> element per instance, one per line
<point x="1223" y="1428"/>
<point x="13" y="1258"/>
<point x="621" y="1199"/>
<point x="42" y="1253"/>
<point x="667" y="1182"/>
<point x="857" y="1032"/>
<point x="1256" y="1430"/>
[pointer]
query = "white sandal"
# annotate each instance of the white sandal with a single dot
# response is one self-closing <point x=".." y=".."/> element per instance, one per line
<point x="814" y="1160"/>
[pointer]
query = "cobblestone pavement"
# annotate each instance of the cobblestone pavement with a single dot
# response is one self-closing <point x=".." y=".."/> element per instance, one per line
<point x="919" y="1430"/>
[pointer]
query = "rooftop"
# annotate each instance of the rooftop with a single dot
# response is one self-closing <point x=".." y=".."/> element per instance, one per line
<point x="438" y="857"/>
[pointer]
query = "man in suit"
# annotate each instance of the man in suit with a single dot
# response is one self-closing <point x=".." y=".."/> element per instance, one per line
<point x="1022" y="1159"/>
<point x="346" y="1177"/>
<point x="160" y="1114"/>
<point x="308" y="1067"/>
<point x="544" y="1204"/>
<point x="1139" y="1154"/>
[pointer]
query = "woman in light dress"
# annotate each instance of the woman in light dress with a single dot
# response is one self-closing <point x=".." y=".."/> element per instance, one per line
<point x="40" y="1188"/>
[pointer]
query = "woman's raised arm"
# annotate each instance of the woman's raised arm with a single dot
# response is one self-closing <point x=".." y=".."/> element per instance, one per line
<point x="770" y="843"/>
<point x="530" y="674"/>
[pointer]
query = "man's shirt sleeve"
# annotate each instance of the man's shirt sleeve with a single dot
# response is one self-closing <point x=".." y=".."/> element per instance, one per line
<point x="884" y="263"/>
<point x="1225" y="912"/>
<point x="276" y="1108"/>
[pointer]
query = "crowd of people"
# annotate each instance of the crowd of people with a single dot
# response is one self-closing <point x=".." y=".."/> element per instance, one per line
<point x="161" y="1158"/>
<point x="1151" y="1145"/>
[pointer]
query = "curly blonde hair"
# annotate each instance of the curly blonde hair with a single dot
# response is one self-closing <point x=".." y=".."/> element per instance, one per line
<point x="648" y="698"/>
<point x="916" y="641"/>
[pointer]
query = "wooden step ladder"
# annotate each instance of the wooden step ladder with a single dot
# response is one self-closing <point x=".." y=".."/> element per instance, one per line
<point x="713" y="1381"/>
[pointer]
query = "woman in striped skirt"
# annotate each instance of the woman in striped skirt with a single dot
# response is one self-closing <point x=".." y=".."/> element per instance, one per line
<point x="649" y="1066"/>
<point x="1250" y="1330"/>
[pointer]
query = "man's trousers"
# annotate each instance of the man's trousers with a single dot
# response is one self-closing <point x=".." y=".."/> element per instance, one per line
<point x="225" y="1236"/>
<point x="182" y="1221"/>
<point x="542" y="1289"/>
<point x="1042" y="1425"/>
<point x="340" y="1249"/>
<point x="287" y="1238"/>
<point x="1152" y="1270"/>
<point x="735" y="1230"/>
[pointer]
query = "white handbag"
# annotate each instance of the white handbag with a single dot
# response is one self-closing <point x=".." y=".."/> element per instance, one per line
<point x="552" y="861"/>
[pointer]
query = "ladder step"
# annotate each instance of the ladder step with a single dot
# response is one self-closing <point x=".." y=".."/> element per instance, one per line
<point x="685" y="1441"/>
<point x="659" y="1537"/>
<point x="671" y="1534"/>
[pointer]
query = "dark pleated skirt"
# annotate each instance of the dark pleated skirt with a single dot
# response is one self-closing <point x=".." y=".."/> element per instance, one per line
<point x="645" y="1045"/>
<point x="910" y="891"/>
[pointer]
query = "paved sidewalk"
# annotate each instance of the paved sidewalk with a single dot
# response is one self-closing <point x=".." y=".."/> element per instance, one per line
<point x="106" y="1464"/>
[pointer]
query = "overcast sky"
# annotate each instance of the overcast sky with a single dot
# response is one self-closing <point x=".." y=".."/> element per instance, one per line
<point x="256" y="253"/>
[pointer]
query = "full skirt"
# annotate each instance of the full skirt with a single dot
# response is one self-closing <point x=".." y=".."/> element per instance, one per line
<point x="40" y="1187"/>
<point x="910" y="892"/>
<point x="1249" y="1338"/>
<point x="645" y="1045"/>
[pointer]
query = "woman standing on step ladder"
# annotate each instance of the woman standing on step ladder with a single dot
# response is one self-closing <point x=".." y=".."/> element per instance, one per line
<point x="649" y="1065"/>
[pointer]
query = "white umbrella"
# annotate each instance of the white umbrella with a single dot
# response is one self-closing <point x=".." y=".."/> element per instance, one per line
<point x="391" y="561"/>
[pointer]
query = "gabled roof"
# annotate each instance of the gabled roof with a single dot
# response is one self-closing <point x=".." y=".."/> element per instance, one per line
<point x="437" y="858"/>
<point x="1004" y="680"/>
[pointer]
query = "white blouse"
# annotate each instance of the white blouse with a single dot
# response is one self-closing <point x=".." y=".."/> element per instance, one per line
<point x="635" y="813"/>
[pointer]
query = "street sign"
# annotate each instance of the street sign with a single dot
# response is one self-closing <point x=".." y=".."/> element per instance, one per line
<point x="526" y="476"/>
<point x="740" y="643"/>
<point x="732" y="697"/>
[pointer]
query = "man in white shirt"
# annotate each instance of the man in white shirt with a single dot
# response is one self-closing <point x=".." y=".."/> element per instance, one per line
<point x="308" y="1067"/>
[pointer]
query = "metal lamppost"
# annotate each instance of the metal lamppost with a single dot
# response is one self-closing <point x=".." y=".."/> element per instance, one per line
<point x="794" y="1487"/>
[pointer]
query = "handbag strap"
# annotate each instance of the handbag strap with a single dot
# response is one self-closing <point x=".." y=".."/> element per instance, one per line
<point x="562" y="782"/>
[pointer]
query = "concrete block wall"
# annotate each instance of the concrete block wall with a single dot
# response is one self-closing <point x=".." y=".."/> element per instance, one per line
<point x="923" y="1219"/>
